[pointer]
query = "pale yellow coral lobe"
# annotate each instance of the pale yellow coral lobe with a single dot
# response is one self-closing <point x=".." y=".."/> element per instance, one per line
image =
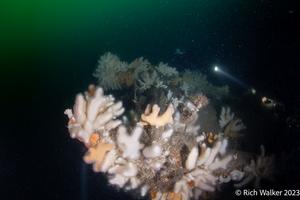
<point x="152" y="118"/>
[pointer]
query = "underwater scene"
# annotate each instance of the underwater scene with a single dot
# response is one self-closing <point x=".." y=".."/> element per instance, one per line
<point x="150" y="99"/>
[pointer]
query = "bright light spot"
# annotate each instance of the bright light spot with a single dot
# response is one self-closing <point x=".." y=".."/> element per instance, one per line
<point x="216" y="69"/>
<point x="253" y="91"/>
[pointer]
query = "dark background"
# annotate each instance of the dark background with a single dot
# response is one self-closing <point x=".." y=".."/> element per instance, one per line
<point x="49" y="51"/>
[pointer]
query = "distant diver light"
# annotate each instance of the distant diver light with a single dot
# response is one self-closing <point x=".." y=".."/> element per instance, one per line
<point x="253" y="91"/>
<point x="216" y="69"/>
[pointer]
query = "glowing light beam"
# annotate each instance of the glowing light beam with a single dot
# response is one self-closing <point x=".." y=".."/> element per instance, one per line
<point x="218" y="70"/>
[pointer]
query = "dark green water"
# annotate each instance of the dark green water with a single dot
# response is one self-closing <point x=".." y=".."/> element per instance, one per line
<point x="50" y="40"/>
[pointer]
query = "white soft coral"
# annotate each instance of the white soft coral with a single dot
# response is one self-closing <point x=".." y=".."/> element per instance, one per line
<point x="93" y="112"/>
<point x="262" y="167"/>
<point x="129" y="143"/>
<point x="124" y="171"/>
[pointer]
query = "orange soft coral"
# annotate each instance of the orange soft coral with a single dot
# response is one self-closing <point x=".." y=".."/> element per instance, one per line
<point x="169" y="196"/>
<point x="94" y="139"/>
<point x="173" y="196"/>
<point x="96" y="155"/>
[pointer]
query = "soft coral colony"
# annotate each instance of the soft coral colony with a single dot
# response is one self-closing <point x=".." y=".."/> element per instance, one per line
<point x="161" y="151"/>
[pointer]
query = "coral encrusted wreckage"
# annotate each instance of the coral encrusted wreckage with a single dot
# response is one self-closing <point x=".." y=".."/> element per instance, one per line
<point x="162" y="152"/>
